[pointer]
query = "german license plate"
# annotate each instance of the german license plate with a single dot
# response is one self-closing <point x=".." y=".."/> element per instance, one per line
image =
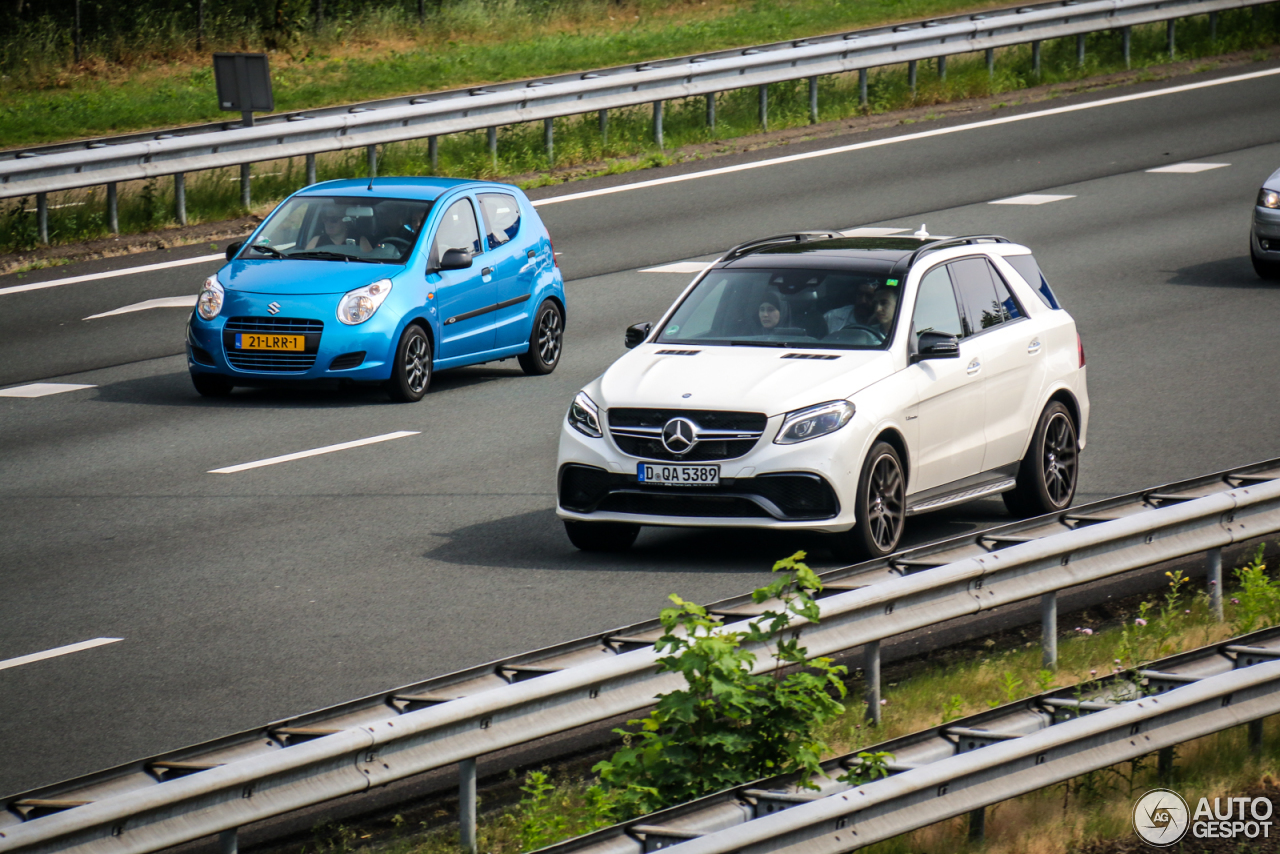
<point x="247" y="341"/>
<point x="678" y="475"/>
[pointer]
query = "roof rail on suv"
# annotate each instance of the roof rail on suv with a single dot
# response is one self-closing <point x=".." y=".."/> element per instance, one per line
<point x="794" y="237"/>
<point x="932" y="246"/>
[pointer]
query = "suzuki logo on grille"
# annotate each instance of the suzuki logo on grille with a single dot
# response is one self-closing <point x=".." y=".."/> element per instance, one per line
<point x="274" y="308"/>
<point x="679" y="435"/>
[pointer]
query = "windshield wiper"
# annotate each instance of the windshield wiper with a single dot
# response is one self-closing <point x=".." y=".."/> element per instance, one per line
<point x="759" y="344"/>
<point x="270" y="250"/>
<point x="330" y="256"/>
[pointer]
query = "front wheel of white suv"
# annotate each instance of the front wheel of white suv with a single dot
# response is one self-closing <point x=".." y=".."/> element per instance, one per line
<point x="880" y="505"/>
<point x="1047" y="474"/>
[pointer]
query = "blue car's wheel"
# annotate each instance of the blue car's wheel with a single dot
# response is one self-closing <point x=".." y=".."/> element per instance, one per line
<point x="545" y="342"/>
<point x="212" y="385"/>
<point x="411" y="370"/>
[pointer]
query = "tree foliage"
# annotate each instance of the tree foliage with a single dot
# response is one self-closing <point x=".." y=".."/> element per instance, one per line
<point x="729" y="725"/>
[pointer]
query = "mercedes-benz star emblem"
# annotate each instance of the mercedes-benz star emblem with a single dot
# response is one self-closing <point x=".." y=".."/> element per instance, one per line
<point x="274" y="308"/>
<point x="679" y="435"/>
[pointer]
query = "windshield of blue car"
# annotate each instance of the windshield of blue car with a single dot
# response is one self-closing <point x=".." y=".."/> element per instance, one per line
<point x="800" y="308"/>
<point x="341" y="228"/>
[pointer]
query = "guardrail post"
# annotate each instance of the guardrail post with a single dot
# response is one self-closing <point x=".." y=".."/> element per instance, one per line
<point x="604" y="128"/>
<point x="180" y="197"/>
<point x="433" y="153"/>
<point x="1213" y="26"/>
<point x="1215" y="583"/>
<point x="493" y="145"/>
<point x="871" y="676"/>
<point x="911" y="76"/>
<point x="1255" y="735"/>
<point x="942" y="68"/>
<point x="311" y="169"/>
<point x="467" y="805"/>
<point x="371" y="151"/>
<point x="244" y="185"/>
<point x="1164" y="764"/>
<point x="862" y="87"/>
<point x="113" y="209"/>
<point x="1080" y="51"/>
<point x="991" y="62"/>
<point x="1049" y="629"/>
<point x="657" y="123"/>
<point x="764" y="107"/>
<point x="711" y="111"/>
<point x="978" y="824"/>
<point x="1126" y="41"/>
<point x="229" y="842"/>
<point x="813" y="100"/>
<point x="42" y="217"/>
<point x="1035" y="58"/>
<point x="548" y="140"/>
<point x="1171" y="26"/>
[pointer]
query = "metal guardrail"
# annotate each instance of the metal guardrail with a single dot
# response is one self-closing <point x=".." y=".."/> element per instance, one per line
<point x="42" y="170"/>
<point x="968" y="764"/>
<point x="223" y="785"/>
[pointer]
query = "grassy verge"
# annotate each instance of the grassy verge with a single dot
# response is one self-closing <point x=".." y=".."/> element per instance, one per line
<point x="1087" y="812"/>
<point x="580" y="149"/>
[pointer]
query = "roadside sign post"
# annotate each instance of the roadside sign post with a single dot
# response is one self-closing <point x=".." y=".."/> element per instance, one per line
<point x="244" y="84"/>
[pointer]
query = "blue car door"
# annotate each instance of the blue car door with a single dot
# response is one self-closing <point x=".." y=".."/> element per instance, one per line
<point x="514" y="264"/>
<point x="464" y="298"/>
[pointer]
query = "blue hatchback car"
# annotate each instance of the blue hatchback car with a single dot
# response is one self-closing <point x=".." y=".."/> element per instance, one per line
<point x="381" y="281"/>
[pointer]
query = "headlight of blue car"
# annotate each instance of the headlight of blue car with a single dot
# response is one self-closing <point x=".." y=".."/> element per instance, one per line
<point x="359" y="305"/>
<point x="209" y="301"/>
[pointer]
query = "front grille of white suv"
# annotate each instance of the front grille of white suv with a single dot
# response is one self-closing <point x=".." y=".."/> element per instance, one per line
<point x="721" y="435"/>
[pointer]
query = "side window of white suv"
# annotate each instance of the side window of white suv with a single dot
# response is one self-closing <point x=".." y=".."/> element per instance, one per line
<point x="936" y="305"/>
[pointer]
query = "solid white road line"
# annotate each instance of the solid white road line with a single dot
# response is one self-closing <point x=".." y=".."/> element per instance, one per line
<point x="680" y="267"/>
<point x="1031" y="199"/>
<point x="1004" y="120"/>
<point x="329" y="449"/>
<point x="54" y="653"/>
<point x="89" y="277"/>
<point x="872" y="232"/>
<point x="1189" y="168"/>
<point x="41" y="389"/>
<point x="163" y="302"/>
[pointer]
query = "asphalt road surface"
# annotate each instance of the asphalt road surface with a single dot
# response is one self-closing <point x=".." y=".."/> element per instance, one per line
<point x="244" y="597"/>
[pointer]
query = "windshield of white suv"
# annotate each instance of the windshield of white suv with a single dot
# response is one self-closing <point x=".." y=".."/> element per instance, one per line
<point x="828" y="309"/>
<point x="339" y="228"/>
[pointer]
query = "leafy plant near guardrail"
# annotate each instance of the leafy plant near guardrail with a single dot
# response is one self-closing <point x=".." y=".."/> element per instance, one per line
<point x="729" y="726"/>
<point x="1258" y="599"/>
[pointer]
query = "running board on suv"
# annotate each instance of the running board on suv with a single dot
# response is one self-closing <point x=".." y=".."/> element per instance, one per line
<point x="979" y="486"/>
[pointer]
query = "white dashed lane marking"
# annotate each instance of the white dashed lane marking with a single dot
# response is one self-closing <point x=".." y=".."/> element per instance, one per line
<point x="40" y="389"/>
<point x="680" y="267"/>
<point x="1031" y="199"/>
<point x="162" y="302"/>
<point x="1189" y="168"/>
<point x="53" y="283"/>
<point x="328" y="449"/>
<point x="54" y="653"/>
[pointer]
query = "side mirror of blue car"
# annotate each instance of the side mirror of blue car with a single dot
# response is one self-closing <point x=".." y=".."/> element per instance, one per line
<point x="233" y="248"/>
<point x="455" y="259"/>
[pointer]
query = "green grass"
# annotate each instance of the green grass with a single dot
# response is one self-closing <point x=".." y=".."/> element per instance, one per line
<point x="580" y="151"/>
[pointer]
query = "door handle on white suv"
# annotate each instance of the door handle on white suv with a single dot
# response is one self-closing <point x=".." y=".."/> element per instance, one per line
<point x="1033" y="347"/>
<point x="974" y="367"/>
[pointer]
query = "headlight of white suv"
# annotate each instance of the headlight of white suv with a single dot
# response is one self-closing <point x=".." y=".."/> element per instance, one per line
<point x="814" y="421"/>
<point x="584" y="416"/>
<point x="209" y="301"/>
<point x="359" y="305"/>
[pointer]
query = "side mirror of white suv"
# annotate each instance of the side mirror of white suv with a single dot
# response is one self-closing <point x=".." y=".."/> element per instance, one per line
<point x="936" y="345"/>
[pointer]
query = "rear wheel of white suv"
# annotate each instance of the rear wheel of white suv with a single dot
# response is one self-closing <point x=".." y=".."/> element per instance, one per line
<point x="601" y="536"/>
<point x="880" y="506"/>
<point x="1047" y="475"/>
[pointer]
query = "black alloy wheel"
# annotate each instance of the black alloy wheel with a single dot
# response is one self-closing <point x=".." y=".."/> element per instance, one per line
<point x="601" y="536"/>
<point x="881" y="508"/>
<point x="411" y="370"/>
<point x="546" y="342"/>
<point x="212" y="385"/>
<point x="1047" y="475"/>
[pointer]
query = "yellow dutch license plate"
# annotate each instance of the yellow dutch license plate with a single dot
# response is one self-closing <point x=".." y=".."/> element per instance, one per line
<point x="246" y="341"/>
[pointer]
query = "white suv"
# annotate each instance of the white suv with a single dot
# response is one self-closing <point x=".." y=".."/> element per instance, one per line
<point x="818" y="382"/>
